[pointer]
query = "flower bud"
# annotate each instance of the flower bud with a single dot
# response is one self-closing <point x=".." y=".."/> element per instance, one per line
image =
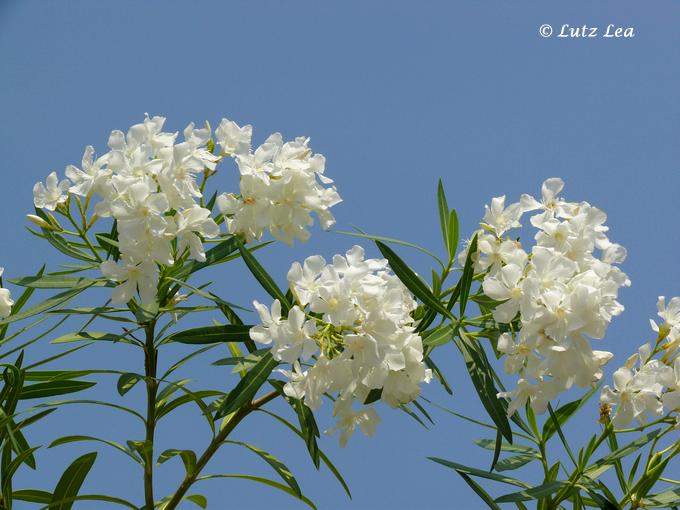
<point x="37" y="220"/>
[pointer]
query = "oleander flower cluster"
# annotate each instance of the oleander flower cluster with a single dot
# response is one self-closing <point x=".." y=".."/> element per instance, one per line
<point x="281" y="186"/>
<point x="5" y="299"/>
<point x="648" y="385"/>
<point x="560" y="294"/>
<point x="351" y="334"/>
<point x="152" y="185"/>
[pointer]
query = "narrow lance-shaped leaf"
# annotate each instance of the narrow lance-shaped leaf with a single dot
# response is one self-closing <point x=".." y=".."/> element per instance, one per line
<point x="478" y="368"/>
<point x="321" y="455"/>
<point x="52" y="388"/>
<point x="539" y="492"/>
<point x="70" y="482"/>
<point x="600" y="466"/>
<point x="485" y="496"/>
<point x="563" y="413"/>
<point x="454" y="229"/>
<point x="57" y="282"/>
<point x="48" y="304"/>
<point x="19" y="303"/>
<point x="215" y="255"/>
<point x="468" y="274"/>
<point x="443" y="209"/>
<point x="61" y="244"/>
<point x="247" y="388"/>
<point x="263" y="277"/>
<point x="480" y="473"/>
<point x="264" y="481"/>
<point x="211" y="334"/>
<point x="75" y="439"/>
<point x="411" y="280"/>
<point x="278" y="466"/>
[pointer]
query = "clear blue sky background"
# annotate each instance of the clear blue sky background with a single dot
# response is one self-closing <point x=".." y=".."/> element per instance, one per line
<point x="395" y="94"/>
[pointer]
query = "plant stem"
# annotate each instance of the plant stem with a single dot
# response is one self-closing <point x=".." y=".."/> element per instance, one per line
<point x="150" y="368"/>
<point x="214" y="445"/>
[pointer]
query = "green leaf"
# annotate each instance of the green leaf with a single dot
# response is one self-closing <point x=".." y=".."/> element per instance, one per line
<point x="438" y="374"/>
<point x="188" y="458"/>
<point x="61" y="244"/>
<point x="76" y="439"/>
<point x="304" y="435"/>
<point x="52" y="388"/>
<point x="89" y="336"/>
<point x="213" y="256"/>
<point x="483" y="381"/>
<point x="263" y="277"/>
<point x="278" y="466"/>
<point x="438" y="336"/>
<point x="460" y="468"/>
<point x="514" y="462"/>
<point x="198" y="499"/>
<point x="490" y="444"/>
<point x="468" y="274"/>
<point x="247" y="388"/>
<point x="48" y="304"/>
<point x="452" y="239"/>
<point x="480" y="491"/>
<point x="497" y="450"/>
<point x="188" y="398"/>
<point x="211" y="335"/>
<point x="555" y="419"/>
<point x="539" y="492"/>
<point x="32" y="495"/>
<point x="405" y="408"/>
<point x="186" y="358"/>
<point x="70" y="482"/>
<point x="601" y="465"/>
<point x="19" y="304"/>
<point x="665" y="499"/>
<point x="264" y="481"/>
<point x="94" y="402"/>
<point x="54" y="375"/>
<point x="127" y="381"/>
<point x="443" y="208"/>
<point x="373" y="396"/>
<point x="9" y="470"/>
<point x="94" y="497"/>
<point x="563" y="413"/>
<point x="412" y="281"/>
<point x="57" y="282"/>
<point x="394" y="241"/>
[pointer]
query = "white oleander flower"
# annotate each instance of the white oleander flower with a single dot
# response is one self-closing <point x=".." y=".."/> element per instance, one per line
<point x="565" y="291"/>
<point x="671" y="399"/>
<point x="505" y="286"/>
<point x="149" y="184"/>
<point x="52" y="193"/>
<point x="6" y="302"/>
<point x="192" y="222"/>
<point x="636" y="394"/>
<point x="281" y="187"/>
<point x="348" y="420"/>
<point x="133" y="277"/>
<point x="669" y="313"/>
<point x="500" y="218"/>
<point x="233" y="139"/>
<point x="92" y="174"/>
<point x="654" y="387"/>
<point x="352" y="321"/>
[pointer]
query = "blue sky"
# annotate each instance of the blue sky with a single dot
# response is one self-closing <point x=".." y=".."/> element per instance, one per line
<point x="395" y="94"/>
